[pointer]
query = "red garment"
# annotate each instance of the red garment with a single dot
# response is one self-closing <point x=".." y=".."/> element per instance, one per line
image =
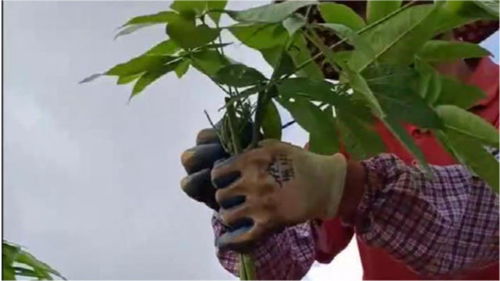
<point x="378" y="264"/>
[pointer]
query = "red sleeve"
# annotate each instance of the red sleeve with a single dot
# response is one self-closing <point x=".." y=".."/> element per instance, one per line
<point x="330" y="238"/>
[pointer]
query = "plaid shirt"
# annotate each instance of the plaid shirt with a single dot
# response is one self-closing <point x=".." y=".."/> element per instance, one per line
<point x="439" y="225"/>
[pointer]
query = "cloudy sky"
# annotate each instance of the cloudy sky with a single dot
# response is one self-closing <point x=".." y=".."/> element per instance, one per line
<point x="92" y="182"/>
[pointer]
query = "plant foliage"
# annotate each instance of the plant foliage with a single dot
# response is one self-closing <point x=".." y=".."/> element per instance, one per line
<point x="388" y="75"/>
<point x="18" y="263"/>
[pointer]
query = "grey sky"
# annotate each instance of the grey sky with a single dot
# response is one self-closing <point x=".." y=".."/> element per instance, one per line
<point x="91" y="182"/>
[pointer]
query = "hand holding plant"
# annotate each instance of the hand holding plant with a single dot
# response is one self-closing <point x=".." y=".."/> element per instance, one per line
<point x="385" y="72"/>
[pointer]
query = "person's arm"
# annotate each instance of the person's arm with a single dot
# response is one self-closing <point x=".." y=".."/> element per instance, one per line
<point x="287" y="255"/>
<point x="439" y="225"/>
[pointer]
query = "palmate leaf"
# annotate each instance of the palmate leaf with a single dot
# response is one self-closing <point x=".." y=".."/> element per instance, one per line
<point x="239" y="75"/>
<point x="489" y="6"/>
<point x="160" y="17"/>
<point x="187" y="35"/>
<point x="182" y="68"/>
<point x="315" y="90"/>
<point x="138" y="65"/>
<point x="393" y="88"/>
<point x="358" y="136"/>
<point x="300" y="53"/>
<point x="454" y="92"/>
<point x="14" y="254"/>
<point x="341" y="14"/>
<point x="209" y="62"/>
<point x="318" y="123"/>
<point x="271" y="122"/>
<point x="216" y="5"/>
<point x="152" y="75"/>
<point x="376" y="10"/>
<point x="468" y="124"/>
<point x="399" y="38"/>
<point x="270" y="13"/>
<point x="472" y="153"/>
<point x="260" y="36"/>
<point x="440" y="50"/>
<point x="406" y="140"/>
<point x="141" y="22"/>
<point x="293" y="23"/>
<point x="429" y="84"/>
<point x="281" y="62"/>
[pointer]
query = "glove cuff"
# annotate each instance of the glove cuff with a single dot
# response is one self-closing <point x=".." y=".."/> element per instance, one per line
<point x="338" y="166"/>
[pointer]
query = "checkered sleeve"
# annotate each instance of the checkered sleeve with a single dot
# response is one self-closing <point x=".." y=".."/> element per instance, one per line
<point x="286" y="255"/>
<point x="436" y="225"/>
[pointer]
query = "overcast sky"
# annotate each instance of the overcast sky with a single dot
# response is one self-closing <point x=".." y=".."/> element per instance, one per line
<point x="91" y="183"/>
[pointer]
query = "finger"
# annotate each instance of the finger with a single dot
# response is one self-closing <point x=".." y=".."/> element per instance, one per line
<point x="226" y="171"/>
<point x="239" y="239"/>
<point x="233" y="202"/>
<point x="202" y="156"/>
<point x="206" y="136"/>
<point x="232" y="217"/>
<point x="198" y="186"/>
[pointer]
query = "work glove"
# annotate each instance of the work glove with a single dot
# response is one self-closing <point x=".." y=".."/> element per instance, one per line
<point x="273" y="186"/>
<point x="198" y="162"/>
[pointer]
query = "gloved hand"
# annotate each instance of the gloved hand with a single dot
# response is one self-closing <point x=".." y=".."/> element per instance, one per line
<point x="198" y="162"/>
<point x="273" y="186"/>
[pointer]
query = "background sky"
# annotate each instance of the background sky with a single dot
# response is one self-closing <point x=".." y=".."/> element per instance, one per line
<point x="91" y="183"/>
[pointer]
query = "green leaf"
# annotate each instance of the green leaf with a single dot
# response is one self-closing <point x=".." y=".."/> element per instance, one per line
<point x="122" y="80"/>
<point x="152" y="75"/>
<point x="359" y="85"/>
<point x="209" y="62"/>
<point x="271" y="122"/>
<point x="353" y="38"/>
<point x="455" y="92"/>
<point x="439" y="50"/>
<point x="42" y="269"/>
<point x="158" y="18"/>
<point x="393" y="88"/>
<point x="341" y="14"/>
<point x="489" y="6"/>
<point x="466" y="123"/>
<point x="281" y="61"/>
<point x="182" y="68"/>
<point x="360" y="140"/>
<point x="138" y="65"/>
<point x="300" y="53"/>
<point x="319" y="124"/>
<point x="216" y="5"/>
<point x="376" y="10"/>
<point x="91" y="78"/>
<point x="317" y="90"/>
<point x="167" y="47"/>
<point x="400" y="133"/>
<point x="260" y="36"/>
<point x="187" y="6"/>
<point x="473" y="154"/>
<point x="270" y="13"/>
<point x="293" y="23"/>
<point x="429" y="84"/>
<point x="474" y="9"/>
<point x="457" y="13"/>
<point x="131" y="29"/>
<point x="399" y="38"/>
<point x="189" y="36"/>
<point x="239" y="75"/>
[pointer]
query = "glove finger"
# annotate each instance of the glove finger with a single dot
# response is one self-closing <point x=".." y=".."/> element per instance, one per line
<point x="206" y="136"/>
<point x="238" y="238"/>
<point x="202" y="157"/>
<point x="199" y="187"/>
